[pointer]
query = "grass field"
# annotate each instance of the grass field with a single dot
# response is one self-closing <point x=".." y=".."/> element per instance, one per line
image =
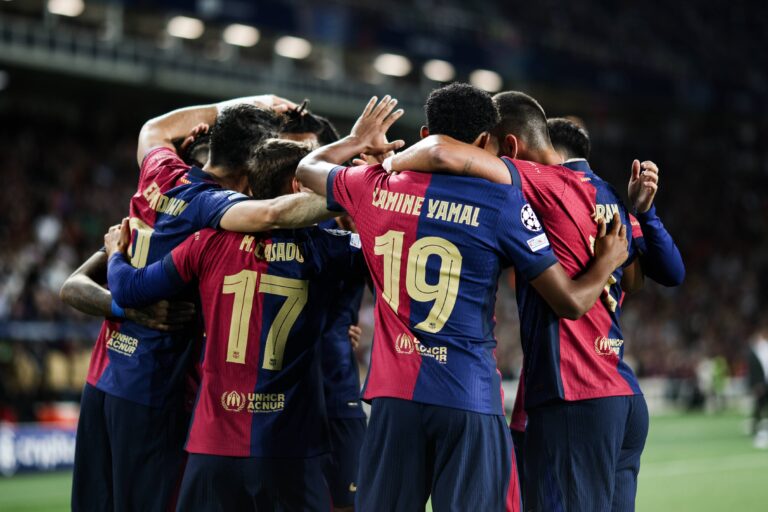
<point x="691" y="463"/>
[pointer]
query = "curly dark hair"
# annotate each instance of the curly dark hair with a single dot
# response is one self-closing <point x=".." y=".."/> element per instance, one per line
<point x="301" y="120"/>
<point x="237" y="133"/>
<point x="569" y="138"/>
<point x="461" y="111"/>
<point x="274" y="166"/>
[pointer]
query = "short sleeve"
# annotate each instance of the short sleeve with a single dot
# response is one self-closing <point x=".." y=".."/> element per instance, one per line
<point x="159" y="161"/>
<point x="212" y="204"/>
<point x="346" y="186"/>
<point x="521" y="237"/>
<point x="188" y="255"/>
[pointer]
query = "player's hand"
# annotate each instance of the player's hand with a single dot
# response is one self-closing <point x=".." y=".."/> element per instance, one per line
<point x="163" y="315"/>
<point x="117" y="239"/>
<point x="612" y="244"/>
<point x="355" y="334"/>
<point x="276" y="103"/>
<point x="643" y="184"/>
<point x="197" y="131"/>
<point x="372" y="125"/>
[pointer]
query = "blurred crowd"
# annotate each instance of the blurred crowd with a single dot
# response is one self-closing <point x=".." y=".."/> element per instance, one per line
<point x="62" y="186"/>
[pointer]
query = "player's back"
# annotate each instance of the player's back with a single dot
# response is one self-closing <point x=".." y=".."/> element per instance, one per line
<point x="263" y="299"/>
<point x="172" y="201"/>
<point x="580" y="359"/>
<point x="435" y="245"/>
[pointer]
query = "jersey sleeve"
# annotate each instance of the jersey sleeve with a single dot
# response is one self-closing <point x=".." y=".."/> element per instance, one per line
<point x="159" y="161"/>
<point x="212" y="204"/>
<point x="521" y="237"/>
<point x="135" y="287"/>
<point x="347" y="186"/>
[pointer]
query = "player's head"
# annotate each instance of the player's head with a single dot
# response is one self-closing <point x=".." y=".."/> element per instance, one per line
<point x="303" y="125"/>
<point x="522" y="129"/>
<point x="196" y="153"/>
<point x="274" y="168"/>
<point x="568" y="138"/>
<point x="461" y="111"/>
<point x="237" y="133"/>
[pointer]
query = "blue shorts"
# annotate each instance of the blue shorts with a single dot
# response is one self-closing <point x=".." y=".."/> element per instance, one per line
<point x="215" y="483"/>
<point x="128" y="456"/>
<point x="585" y="455"/>
<point x="411" y="451"/>
<point x="341" y="471"/>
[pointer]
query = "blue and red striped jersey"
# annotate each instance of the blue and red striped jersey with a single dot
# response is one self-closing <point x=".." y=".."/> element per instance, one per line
<point x="264" y="302"/>
<point x="435" y="245"/>
<point x="572" y="359"/>
<point x="171" y="202"/>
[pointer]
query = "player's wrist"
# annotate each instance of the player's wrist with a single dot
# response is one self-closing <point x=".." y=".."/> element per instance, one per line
<point x="648" y="214"/>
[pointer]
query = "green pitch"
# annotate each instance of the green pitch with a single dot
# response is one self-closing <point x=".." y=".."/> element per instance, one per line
<point x="697" y="463"/>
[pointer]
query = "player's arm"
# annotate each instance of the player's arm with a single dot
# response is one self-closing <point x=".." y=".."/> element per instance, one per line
<point x="163" y="130"/>
<point x="660" y="258"/>
<point x="441" y="153"/>
<point x="368" y="136"/>
<point x="132" y="287"/>
<point x="83" y="291"/>
<point x="288" y="211"/>
<point x="572" y="298"/>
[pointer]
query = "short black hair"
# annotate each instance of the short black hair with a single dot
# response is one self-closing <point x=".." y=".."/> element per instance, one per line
<point x="461" y="111"/>
<point x="196" y="153"/>
<point x="301" y="120"/>
<point x="523" y="117"/>
<point x="568" y="138"/>
<point x="275" y="163"/>
<point x="237" y="133"/>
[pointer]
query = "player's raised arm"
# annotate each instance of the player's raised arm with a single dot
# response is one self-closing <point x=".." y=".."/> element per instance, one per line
<point x="572" y="298"/>
<point x="368" y="135"/>
<point x="442" y="153"/>
<point x="163" y="130"/>
<point x="660" y="258"/>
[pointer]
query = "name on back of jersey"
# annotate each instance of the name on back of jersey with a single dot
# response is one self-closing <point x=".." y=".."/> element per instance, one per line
<point x="438" y="209"/>
<point x="163" y="204"/>
<point x="272" y="251"/>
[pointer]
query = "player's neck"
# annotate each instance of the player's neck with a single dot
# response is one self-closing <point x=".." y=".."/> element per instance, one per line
<point x="546" y="156"/>
<point x="226" y="180"/>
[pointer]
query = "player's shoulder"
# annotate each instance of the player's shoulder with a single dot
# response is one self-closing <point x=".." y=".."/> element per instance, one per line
<point x="162" y="158"/>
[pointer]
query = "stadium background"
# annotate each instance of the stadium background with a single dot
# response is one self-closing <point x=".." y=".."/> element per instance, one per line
<point x="682" y="84"/>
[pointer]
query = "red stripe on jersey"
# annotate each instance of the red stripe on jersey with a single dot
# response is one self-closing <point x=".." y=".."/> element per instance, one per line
<point x="221" y="423"/>
<point x="394" y="367"/>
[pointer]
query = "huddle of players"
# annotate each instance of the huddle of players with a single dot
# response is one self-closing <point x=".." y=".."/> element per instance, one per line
<point x="437" y="428"/>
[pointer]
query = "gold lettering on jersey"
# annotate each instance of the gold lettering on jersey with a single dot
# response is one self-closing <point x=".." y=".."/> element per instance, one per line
<point x="121" y="343"/>
<point x="254" y="403"/>
<point x="276" y="251"/>
<point x="398" y="202"/>
<point x="161" y="203"/>
<point x="458" y="213"/>
<point x="605" y="211"/>
<point x="608" y="346"/>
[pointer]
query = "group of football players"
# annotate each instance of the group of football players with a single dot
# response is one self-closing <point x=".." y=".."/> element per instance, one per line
<point x="224" y="376"/>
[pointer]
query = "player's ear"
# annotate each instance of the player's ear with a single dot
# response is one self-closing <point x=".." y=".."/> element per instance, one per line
<point x="482" y="140"/>
<point x="424" y="132"/>
<point x="511" y="146"/>
<point x="295" y="185"/>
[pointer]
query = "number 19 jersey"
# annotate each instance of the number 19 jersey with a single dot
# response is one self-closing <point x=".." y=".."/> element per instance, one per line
<point x="435" y="245"/>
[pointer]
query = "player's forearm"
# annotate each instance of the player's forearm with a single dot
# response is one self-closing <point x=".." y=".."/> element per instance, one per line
<point x="163" y="130"/>
<point x="661" y="260"/>
<point x="587" y="288"/>
<point x="445" y="154"/>
<point x="133" y="288"/>
<point x="82" y="290"/>
<point x="314" y="168"/>
<point x="284" y="212"/>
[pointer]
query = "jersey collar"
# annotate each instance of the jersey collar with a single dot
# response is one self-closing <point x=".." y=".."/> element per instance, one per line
<point x="578" y="164"/>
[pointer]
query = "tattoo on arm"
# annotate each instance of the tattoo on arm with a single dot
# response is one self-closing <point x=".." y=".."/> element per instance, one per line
<point x="467" y="165"/>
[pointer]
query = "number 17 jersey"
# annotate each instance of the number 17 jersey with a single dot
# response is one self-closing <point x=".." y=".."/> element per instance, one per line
<point x="435" y="246"/>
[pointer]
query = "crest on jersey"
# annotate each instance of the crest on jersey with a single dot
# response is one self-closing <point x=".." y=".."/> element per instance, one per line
<point x="233" y="401"/>
<point x="529" y="219"/>
<point x="404" y="344"/>
<point x="608" y="346"/>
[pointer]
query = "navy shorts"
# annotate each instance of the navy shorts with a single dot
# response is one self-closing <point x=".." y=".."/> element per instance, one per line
<point x="341" y="471"/>
<point x="585" y="455"/>
<point x="127" y="456"/>
<point x="411" y="451"/>
<point x="215" y="483"/>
